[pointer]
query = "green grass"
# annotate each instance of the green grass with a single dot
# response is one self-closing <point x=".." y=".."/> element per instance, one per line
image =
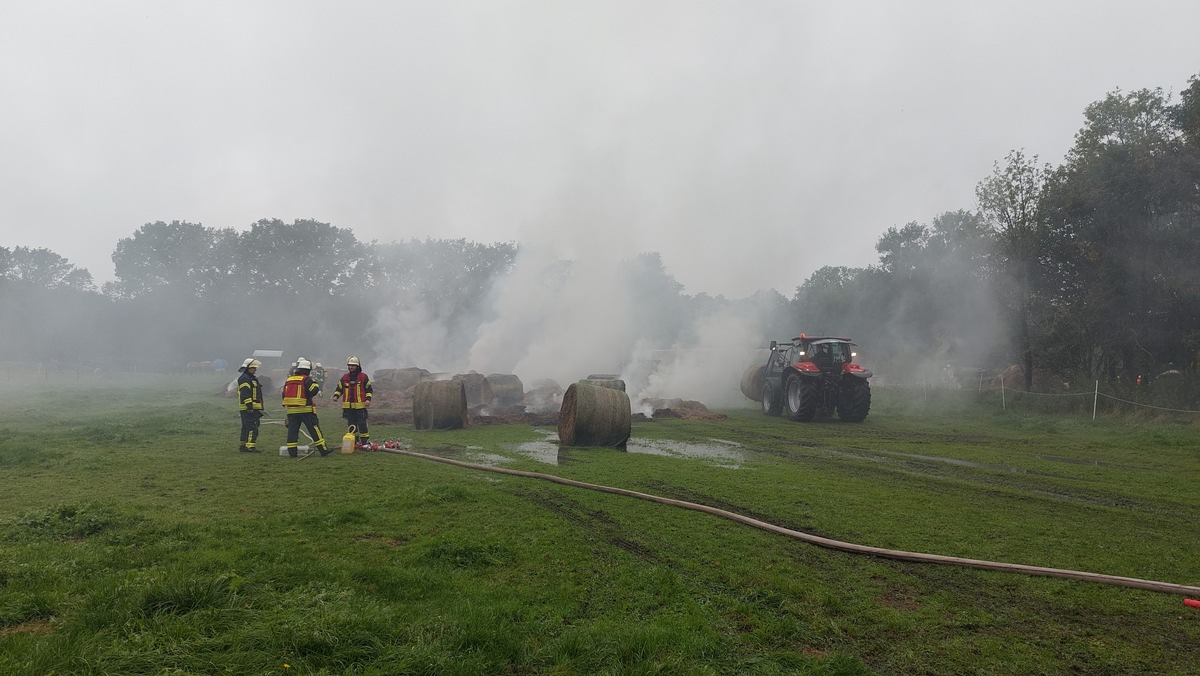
<point x="135" y="539"/>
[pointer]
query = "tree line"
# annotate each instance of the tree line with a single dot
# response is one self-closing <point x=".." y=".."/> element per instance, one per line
<point x="1084" y="270"/>
<point x="1087" y="270"/>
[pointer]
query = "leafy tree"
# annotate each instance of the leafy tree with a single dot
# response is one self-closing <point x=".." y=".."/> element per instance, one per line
<point x="449" y="278"/>
<point x="178" y="255"/>
<point x="307" y="258"/>
<point x="42" y="268"/>
<point x="1127" y="195"/>
<point x="50" y="311"/>
<point x="902" y="251"/>
<point x="658" y="312"/>
<point x="1010" y="201"/>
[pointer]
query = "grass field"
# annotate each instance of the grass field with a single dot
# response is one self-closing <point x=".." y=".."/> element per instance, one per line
<point x="134" y="539"/>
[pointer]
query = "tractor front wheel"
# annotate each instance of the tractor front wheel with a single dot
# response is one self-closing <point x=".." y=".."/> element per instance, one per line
<point x="800" y="395"/>
<point x="771" y="404"/>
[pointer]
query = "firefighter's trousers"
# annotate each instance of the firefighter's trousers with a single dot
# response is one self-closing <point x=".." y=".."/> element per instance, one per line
<point x="309" y="420"/>
<point x="250" y="425"/>
<point x="358" y="418"/>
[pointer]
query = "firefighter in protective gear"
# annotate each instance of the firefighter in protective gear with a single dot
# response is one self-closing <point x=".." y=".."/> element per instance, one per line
<point x="250" y="404"/>
<point x="299" y="390"/>
<point x="354" y="389"/>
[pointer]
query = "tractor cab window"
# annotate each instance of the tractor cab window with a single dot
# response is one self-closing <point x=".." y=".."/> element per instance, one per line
<point x="839" y="352"/>
<point x="822" y="355"/>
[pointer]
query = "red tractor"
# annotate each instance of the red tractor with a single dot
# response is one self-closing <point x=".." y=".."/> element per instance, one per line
<point x="814" y="376"/>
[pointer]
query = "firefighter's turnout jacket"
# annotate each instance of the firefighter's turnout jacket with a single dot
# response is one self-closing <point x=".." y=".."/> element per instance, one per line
<point x="354" y="389"/>
<point x="249" y="392"/>
<point x="298" y="393"/>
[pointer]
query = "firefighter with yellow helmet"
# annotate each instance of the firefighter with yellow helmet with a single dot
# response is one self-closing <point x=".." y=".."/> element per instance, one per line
<point x="250" y="404"/>
<point x="354" y="389"/>
<point x="299" y="390"/>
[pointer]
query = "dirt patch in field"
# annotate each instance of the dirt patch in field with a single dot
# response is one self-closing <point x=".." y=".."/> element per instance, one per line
<point x="30" y="627"/>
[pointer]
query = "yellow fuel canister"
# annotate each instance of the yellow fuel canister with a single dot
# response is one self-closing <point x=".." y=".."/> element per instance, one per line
<point x="348" y="441"/>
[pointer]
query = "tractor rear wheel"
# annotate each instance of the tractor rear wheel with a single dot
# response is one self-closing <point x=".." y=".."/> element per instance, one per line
<point x="771" y="403"/>
<point x="855" y="400"/>
<point x="800" y="396"/>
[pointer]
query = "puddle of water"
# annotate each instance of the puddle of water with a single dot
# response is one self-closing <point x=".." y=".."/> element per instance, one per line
<point x="719" y="453"/>
<point x="541" y="451"/>
<point x="489" y="459"/>
<point x="545" y="451"/>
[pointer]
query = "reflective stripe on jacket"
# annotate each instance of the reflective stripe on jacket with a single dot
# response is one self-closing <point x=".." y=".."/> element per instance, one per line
<point x="298" y="393"/>
<point x="249" y="393"/>
<point x="354" y="389"/>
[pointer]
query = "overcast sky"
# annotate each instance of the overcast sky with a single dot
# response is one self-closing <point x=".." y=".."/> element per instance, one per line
<point x="750" y="142"/>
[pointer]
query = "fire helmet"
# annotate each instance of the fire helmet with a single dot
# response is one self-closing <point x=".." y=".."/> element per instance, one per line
<point x="246" y="364"/>
<point x="303" y="363"/>
<point x="254" y="363"/>
<point x="353" y="361"/>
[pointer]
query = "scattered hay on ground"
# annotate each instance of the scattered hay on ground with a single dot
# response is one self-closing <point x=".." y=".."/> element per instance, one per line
<point x="684" y="409"/>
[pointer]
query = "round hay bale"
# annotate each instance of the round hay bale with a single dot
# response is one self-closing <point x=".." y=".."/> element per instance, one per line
<point x="752" y="382"/>
<point x="479" y="391"/>
<point x="439" y="405"/>
<point x="594" y="416"/>
<point x="610" y="383"/>
<point x="398" y="379"/>
<point x="507" y="389"/>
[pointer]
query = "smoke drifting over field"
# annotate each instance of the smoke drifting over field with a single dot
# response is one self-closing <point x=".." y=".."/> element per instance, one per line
<point x="563" y="320"/>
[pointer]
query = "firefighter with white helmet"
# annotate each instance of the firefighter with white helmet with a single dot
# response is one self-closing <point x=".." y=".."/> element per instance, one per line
<point x="354" y="389"/>
<point x="299" y="390"/>
<point x="250" y="404"/>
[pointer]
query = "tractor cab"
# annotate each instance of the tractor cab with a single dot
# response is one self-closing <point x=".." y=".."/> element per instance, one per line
<point x="826" y="353"/>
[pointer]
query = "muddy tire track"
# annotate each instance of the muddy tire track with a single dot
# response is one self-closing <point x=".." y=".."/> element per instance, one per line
<point x="595" y="521"/>
<point x="687" y="494"/>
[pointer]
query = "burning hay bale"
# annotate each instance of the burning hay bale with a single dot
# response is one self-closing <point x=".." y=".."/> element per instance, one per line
<point x="477" y="387"/>
<point x="439" y="405"/>
<point x="507" y="389"/>
<point x="752" y="382"/>
<point x="545" y="396"/>
<point x="398" y="379"/>
<point x="594" y="416"/>
<point x="609" y="380"/>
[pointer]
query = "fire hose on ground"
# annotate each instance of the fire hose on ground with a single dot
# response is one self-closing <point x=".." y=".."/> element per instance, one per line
<point x="828" y="543"/>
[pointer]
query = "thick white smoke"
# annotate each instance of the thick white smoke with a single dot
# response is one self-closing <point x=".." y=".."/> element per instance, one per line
<point x="564" y="320"/>
<point x="710" y="370"/>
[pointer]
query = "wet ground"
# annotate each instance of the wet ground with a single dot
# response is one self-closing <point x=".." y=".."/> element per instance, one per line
<point x="717" y="452"/>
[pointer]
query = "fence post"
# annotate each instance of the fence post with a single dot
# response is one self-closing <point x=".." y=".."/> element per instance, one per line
<point x="1095" y="399"/>
<point x="1003" y="405"/>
